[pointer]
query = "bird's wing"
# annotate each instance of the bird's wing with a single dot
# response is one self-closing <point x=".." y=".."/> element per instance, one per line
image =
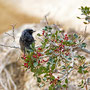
<point x="30" y="38"/>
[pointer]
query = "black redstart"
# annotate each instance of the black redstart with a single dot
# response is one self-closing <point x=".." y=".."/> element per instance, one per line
<point x="26" y="39"/>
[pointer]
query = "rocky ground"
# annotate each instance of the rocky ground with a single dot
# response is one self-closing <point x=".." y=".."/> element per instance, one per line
<point x="12" y="74"/>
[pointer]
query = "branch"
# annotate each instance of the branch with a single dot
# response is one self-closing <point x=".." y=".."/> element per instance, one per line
<point x="13" y="36"/>
<point x="72" y="64"/>
<point x="13" y="26"/>
<point x="46" y="18"/>
<point x="10" y="46"/>
<point x="59" y="29"/>
<point x="85" y="50"/>
<point x="10" y="78"/>
<point x="8" y="34"/>
<point x="66" y="74"/>
<point x="82" y="49"/>
<point x="85" y="34"/>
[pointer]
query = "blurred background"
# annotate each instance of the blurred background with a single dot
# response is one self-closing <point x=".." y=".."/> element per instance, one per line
<point x="11" y="13"/>
<point x="28" y="14"/>
<point x="32" y="11"/>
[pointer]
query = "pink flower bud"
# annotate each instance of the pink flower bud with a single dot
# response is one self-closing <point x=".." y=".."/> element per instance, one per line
<point x="39" y="48"/>
<point x="43" y="32"/>
<point x="26" y="65"/>
<point x="34" y="56"/>
<point x="39" y="54"/>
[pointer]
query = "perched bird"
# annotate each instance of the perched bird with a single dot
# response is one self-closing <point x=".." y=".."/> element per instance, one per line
<point x="26" y="39"/>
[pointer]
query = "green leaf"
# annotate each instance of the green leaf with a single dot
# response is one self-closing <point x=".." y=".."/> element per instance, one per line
<point x="38" y="79"/>
<point x="43" y="44"/>
<point x="35" y="64"/>
<point x="56" y="33"/>
<point x="52" y="77"/>
<point x="41" y="70"/>
<point x="49" y="34"/>
<point x="50" y="59"/>
<point x="32" y="46"/>
<point x="46" y="40"/>
<point x="50" y="51"/>
<point x="45" y="29"/>
<point x="78" y="17"/>
<point x="50" y="87"/>
<point x="64" y="85"/>
<point x="58" y="86"/>
<point x="82" y="82"/>
<point x="44" y="78"/>
<point x="63" y="67"/>
<point x="69" y="66"/>
<point x="49" y="27"/>
<point x="80" y="69"/>
<point x="75" y="35"/>
<point x="85" y="22"/>
<point x="58" y="37"/>
<point x="59" y="81"/>
<point x="53" y="67"/>
<point x="66" y="81"/>
<point x="38" y="34"/>
<point x="83" y="45"/>
<point x="46" y="26"/>
<point x="42" y="84"/>
<point x="80" y="57"/>
<point x="53" y="35"/>
<point x="69" y="58"/>
<point x="46" y="75"/>
<point x="85" y="71"/>
<point x="87" y="18"/>
<point x="85" y="10"/>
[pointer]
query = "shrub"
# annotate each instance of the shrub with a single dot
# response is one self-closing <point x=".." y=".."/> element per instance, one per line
<point x="54" y="59"/>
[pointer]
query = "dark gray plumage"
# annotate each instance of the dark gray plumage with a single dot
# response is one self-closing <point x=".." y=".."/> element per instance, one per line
<point x="26" y="39"/>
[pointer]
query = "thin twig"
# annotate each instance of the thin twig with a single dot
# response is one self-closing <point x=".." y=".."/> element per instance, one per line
<point x="66" y="74"/>
<point x="72" y="64"/>
<point x="3" y="84"/>
<point x="46" y="18"/>
<point x="10" y="78"/>
<point x="85" y="50"/>
<point x="13" y="26"/>
<point x="84" y="34"/>
<point x="13" y="36"/>
<point x="81" y="49"/>
<point x="10" y="46"/>
<point x="8" y="34"/>
<point x="41" y="38"/>
<point x="57" y="27"/>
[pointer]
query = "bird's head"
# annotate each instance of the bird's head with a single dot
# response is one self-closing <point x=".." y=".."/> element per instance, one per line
<point x="30" y="31"/>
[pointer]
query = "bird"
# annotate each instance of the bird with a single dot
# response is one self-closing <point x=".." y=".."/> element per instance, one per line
<point x="26" y="39"/>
